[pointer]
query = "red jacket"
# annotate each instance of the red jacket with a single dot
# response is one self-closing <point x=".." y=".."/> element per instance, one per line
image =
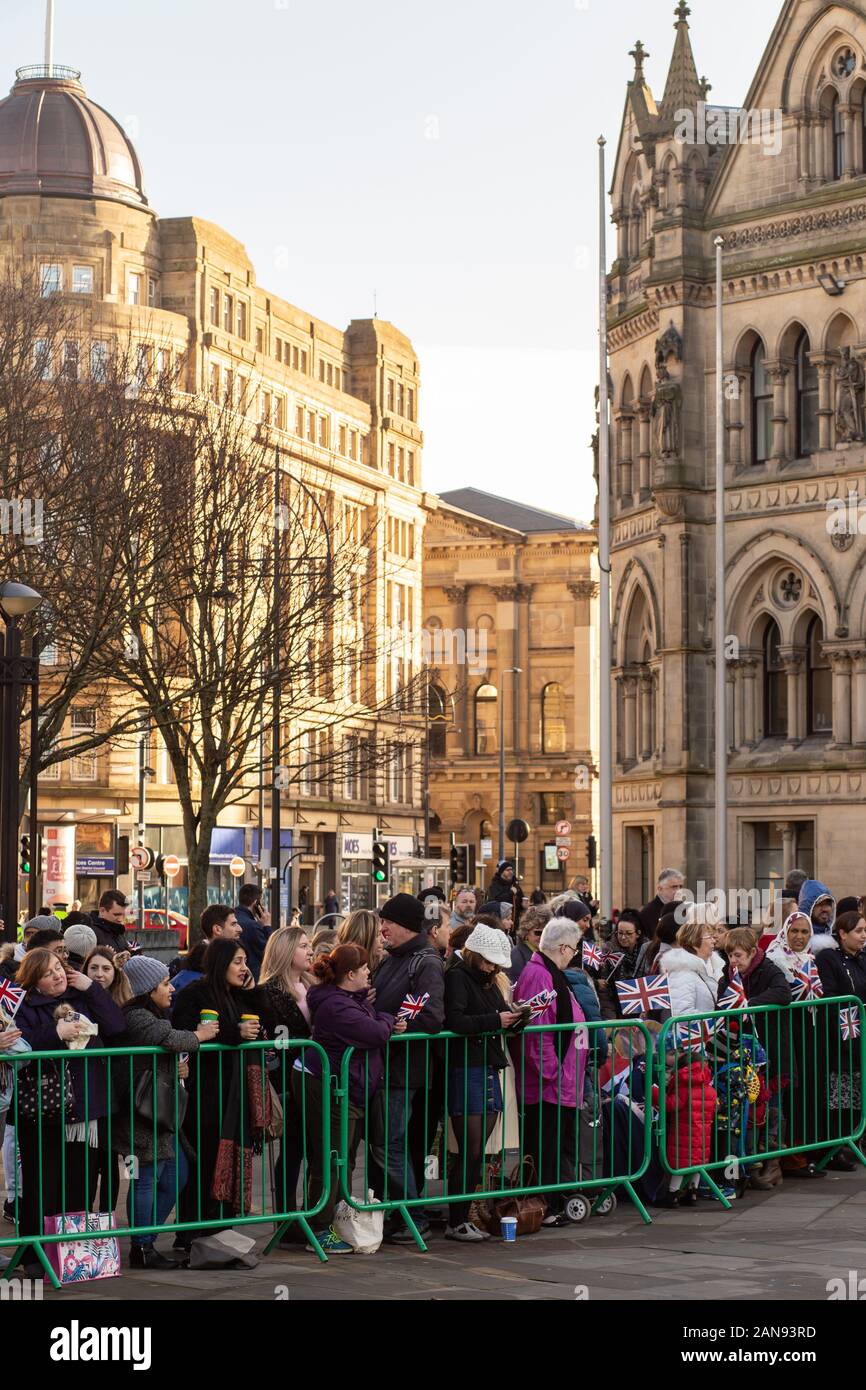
<point x="691" y="1105"/>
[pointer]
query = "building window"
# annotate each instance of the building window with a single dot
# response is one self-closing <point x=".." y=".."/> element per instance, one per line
<point x="762" y="408"/>
<point x="311" y="427"/>
<point x="82" y="279"/>
<point x="807" y="400"/>
<point x="229" y="387"/>
<point x="390" y="393"/>
<point x="71" y="359"/>
<point x="260" y="340"/>
<point x="330" y="374"/>
<point x="296" y="358"/>
<point x="142" y="364"/>
<point x="215" y="382"/>
<point x="400" y="397"/>
<point x="299" y="421"/>
<point x="98" y="361"/>
<point x="83" y="727"/>
<point x="819" y="682"/>
<point x="228" y="313"/>
<point x="553" y="806"/>
<point x="486" y="700"/>
<point x="214" y="306"/>
<point x="392" y="460"/>
<point x="51" y="279"/>
<point x="410" y="410"/>
<point x="151" y="292"/>
<point x="553" y="731"/>
<point x="437" y="716"/>
<point x="344" y="440"/>
<point x="242" y="319"/>
<point x="323" y="431"/>
<point x="838" y="128"/>
<point x="42" y="358"/>
<point x="775" y="685"/>
<point x="134" y="288"/>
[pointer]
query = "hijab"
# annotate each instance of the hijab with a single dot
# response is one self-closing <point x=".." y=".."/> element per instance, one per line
<point x="783" y="955"/>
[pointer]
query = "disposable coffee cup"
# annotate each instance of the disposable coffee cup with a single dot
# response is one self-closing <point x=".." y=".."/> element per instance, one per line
<point x="508" y="1225"/>
<point x="209" y="1016"/>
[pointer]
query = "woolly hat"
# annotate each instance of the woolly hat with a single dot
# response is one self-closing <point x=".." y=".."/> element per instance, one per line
<point x="79" y="940"/>
<point x="490" y="943"/>
<point x="434" y="892"/>
<point x="404" y="911"/>
<point x="44" y="923"/>
<point x="144" y="974"/>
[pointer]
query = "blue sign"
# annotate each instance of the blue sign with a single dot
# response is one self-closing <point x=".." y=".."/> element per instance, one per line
<point x="226" y="843"/>
<point x="285" y="841"/>
<point x="94" y="865"/>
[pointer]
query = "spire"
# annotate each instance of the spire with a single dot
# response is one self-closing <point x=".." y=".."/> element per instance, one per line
<point x="683" y="87"/>
<point x="639" y="53"/>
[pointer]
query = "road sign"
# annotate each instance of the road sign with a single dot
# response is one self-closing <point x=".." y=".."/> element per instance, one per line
<point x="563" y="827"/>
<point x="562" y="852"/>
<point x="238" y="867"/>
<point x="518" y="831"/>
<point x="563" y="839"/>
<point x="143" y="876"/>
<point x="140" y="857"/>
<point x="171" y="866"/>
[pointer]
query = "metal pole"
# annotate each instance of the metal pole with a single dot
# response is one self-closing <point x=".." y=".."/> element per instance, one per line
<point x="721" y="732"/>
<point x="605" y="760"/>
<point x="142" y="814"/>
<point x="35" y="850"/>
<point x="49" y="37"/>
<point x="11" y="777"/>
<point x="426" y="762"/>
<point x="501" y="766"/>
<point x="276" y="837"/>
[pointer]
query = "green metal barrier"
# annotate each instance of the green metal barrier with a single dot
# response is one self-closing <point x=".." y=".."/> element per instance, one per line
<point x="559" y="1148"/>
<point x="224" y="1145"/>
<point x="758" y="1084"/>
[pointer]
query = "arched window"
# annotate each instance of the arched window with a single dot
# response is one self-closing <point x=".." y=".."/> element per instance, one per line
<point x="553" y="730"/>
<point x="486" y="700"/>
<point x="807" y="400"/>
<point x="775" y="685"/>
<point x="437" y="714"/>
<point x="838" y="128"/>
<point x="819" y="682"/>
<point x="762" y="408"/>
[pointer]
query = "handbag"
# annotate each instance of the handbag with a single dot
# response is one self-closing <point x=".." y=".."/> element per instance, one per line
<point x="363" y="1230"/>
<point x="155" y="1101"/>
<point x="45" y="1088"/>
<point x="84" y="1254"/>
<point x="530" y="1210"/>
<point x="274" y="1129"/>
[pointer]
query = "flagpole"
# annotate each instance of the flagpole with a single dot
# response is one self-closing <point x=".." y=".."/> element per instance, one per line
<point x="721" y="730"/>
<point x="605" y="761"/>
<point x="49" y="37"/>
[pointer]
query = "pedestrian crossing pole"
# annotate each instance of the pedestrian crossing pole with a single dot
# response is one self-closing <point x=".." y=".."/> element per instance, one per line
<point x="605" y="761"/>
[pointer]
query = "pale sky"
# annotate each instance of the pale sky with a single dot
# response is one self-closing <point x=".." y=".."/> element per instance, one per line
<point x="442" y="155"/>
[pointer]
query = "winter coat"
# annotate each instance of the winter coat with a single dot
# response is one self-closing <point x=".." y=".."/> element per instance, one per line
<point x="502" y="891"/>
<point x="108" y="933"/>
<point x="341" y="1020"/>
<point x="691" y="985"/>
<point x="810" y="892"/>
<point x="582" y="988"/>
<point x="472" y="1007"/>
<point x="38" y="1025"/>
<point x="538" y="1072"/>
<point x="416" y="968"/>
<point x="254" y="937"/>
<point x="286" y="1012"/>
<point x="181" y="980"/>
<point x="841" y="974"/>
<point x="650" y="914"/>
<point x="146" y="1028"/>
<point x="690" y="1103"/>
<point x="764" y="983"/>
<point x="521" y="955"/>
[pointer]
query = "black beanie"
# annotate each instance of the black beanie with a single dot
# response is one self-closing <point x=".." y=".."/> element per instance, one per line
<point x="405" y="911"/>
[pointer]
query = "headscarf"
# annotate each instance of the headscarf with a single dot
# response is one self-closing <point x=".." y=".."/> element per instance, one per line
<point x="783" y="955"/>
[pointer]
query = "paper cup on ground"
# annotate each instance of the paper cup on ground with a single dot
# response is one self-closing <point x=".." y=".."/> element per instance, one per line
<point x="508" y="1226"/>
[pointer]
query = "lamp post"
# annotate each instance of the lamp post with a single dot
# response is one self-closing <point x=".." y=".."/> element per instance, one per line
<point x="721" y="719"/>
<point x="16" y="673"/>
<point x="509" y="671"/>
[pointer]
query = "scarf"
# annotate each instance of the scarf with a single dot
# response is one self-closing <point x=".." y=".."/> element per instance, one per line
<point x="784" y="956"/>
<point x="564" y="997"/>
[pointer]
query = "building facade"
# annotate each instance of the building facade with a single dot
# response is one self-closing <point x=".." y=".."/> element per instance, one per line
<point x="342" y="404"/>
<point x="508" y="586"/>
<point x="783" y="182"/>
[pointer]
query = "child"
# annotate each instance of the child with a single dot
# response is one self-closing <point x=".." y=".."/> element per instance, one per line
<point x="690" y="1103"/>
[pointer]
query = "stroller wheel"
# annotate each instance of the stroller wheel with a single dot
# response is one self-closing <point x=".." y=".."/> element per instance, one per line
<point x="578" y="1208"/>
<point x="607" y="1206"/>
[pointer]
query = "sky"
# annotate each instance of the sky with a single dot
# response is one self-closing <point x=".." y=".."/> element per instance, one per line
<point x="434" y="162"/>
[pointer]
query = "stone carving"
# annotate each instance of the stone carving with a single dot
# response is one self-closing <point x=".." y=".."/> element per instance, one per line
<point x="842" y="541"/>
<point x="669" y="344"/>
<point x="804" y="225"/>
<point x="666" y="413"/>
<point x="849" y="399"/>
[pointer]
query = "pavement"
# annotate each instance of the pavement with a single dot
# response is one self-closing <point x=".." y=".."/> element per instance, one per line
<point x="787" y="1243"/>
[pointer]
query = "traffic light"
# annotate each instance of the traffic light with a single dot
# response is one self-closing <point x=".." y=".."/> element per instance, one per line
<point x="591" y="858"/>
<point x="459" y="864"/>
<point x="25" y="854"/>
<point x="381" y="861"/>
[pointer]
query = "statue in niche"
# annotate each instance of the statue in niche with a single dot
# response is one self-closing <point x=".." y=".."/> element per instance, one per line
<point x="849" y="399"/>
<point x="666" y="413"/>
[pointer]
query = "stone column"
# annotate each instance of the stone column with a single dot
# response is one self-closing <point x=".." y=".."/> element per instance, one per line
<point x="644" y="450"/>
<point x="748" y="667"/>
<point x="620" y="221"/>
<point x="847" y="113"/>
<point x="777" y="373"/>
<point x="825" y="364"/>
<point x="787" y="830"/>
<point x="630" y="718"/>
<point x="625" y="466"/>
<point x="507" y="654"/>
<point x="804" y="153"/>
<point x="734" y="424"/>
<point x="681" y="178"/>
<point x="736" y="725"/>
<point x="858" y="696"/>
<point x="646" y="717"/>
<point x="458" y="677"/>
<point x="841" y="664"/>
<point x="792" y="660"/>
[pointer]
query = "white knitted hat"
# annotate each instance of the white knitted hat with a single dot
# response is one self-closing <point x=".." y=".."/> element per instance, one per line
<point x="490" y="943"/>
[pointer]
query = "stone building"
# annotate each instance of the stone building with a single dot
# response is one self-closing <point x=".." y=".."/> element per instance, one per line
<point x="509" y="586"/>
<point x="783" y="181"/>
<point x="344" y="406"/>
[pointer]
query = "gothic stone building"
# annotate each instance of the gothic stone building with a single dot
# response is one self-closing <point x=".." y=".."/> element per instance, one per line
<point x="787" y="192"/>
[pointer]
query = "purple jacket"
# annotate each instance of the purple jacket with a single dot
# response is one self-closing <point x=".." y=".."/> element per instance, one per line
<point x="36" y="1020"/>
<point x="342" y="1019"/>
<point x="536" y="1055"/>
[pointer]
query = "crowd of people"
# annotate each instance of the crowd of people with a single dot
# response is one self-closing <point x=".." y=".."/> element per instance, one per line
<point x="180" y="1131"/>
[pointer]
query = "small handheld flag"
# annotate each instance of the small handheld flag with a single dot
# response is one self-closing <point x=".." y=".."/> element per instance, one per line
<point x="806" y="983"/>
<point x="734" y="996"/>
<point x="643" y="995"/>
<point x="849" y="1023"/>
<point x="612" y="958"/>
<point x="541" y="1002"/>
<point x="412" y="1006"/>
<point x="592" y="956"/>
<point x="11" y="998"/>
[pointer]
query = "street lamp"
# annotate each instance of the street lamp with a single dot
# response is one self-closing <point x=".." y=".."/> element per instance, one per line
<point x="509" y="671"/>
<point x="17" y="672"/>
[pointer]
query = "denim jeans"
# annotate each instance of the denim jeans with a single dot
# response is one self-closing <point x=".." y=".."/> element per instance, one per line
<point x="169" y="1177"/>
<point x="400" y="1179"/>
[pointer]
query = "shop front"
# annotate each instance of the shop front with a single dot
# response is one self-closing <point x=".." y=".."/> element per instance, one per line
<point x="356" y="869"/>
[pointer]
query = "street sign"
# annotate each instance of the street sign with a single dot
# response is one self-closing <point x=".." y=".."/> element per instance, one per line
<point x="238" y="867"/>
<point x="171" y="866"/>
<point x="518" y="831"/>
<point x="562" y="852"/>
<point x="563" y="840"/>
<point x="140" y="857"/>
<point x="563" y="827"/>
<point x="143" y="876"/>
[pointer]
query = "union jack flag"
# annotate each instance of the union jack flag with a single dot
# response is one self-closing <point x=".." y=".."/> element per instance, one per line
<point x="612" y="958"/>
<point x="617" y="1084"/>
<point x="806" y="983"/>
<point x="697" y="1034"/>
<point x="849" y="1023"/>
<point x="592" y="956"/>
<point x="643" y="995"/>
<point x="734" y="996"/>
<point x="412" y="1006"/>
<point x="11" y="998"/>
<point x="541" y="1002"/>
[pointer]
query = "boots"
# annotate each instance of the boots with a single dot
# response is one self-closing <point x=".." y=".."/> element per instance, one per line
<point x="769" y="1176"/>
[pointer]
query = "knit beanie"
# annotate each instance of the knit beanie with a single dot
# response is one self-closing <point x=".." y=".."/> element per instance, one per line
<point x="144" y="974"/>
<point x="44" y="923"/>
<point x="79" y="940"/>
<point x="404" y="911"/>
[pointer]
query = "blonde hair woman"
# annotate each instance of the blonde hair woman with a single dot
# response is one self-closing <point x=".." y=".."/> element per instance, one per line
<point x="363" y="928"/>
<point x="286" y="974"/>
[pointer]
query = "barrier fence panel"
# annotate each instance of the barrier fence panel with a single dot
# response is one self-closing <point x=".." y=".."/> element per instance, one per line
<point x="742" y="1087"/>
<point x="228" y="1137"/>
<point x="461" y="1121"/>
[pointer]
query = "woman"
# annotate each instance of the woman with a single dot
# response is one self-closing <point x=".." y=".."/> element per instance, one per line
<point x="841" y="963"/>
<point x="101" y="965"/>
<point x="690" y="1099"/>
<point x="475" y="1006"/>
<point x="286" y="979"/>
<point x="156" y="1139"/>
<point x="364" y="928"/>
<point x="324" y="941"/>
<point x="691" y="984"/>
<point x="226" y="1117"/>
<point x="550" y="1067"/>
<point x="342" y="1018"/>
<point x="64" y="1149"/>
<point x="664" y="938"/>
<point x="532" y="924"/>
<point x="790" y="951"/>
<point x="627" y="942"/>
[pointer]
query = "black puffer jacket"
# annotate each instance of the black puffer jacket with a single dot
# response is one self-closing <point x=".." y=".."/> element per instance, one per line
<point x="841" y="974"/>
<point x="473" y="1004"/>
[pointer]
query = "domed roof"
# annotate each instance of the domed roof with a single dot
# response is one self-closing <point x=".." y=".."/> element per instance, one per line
<point x="55" y="141"/>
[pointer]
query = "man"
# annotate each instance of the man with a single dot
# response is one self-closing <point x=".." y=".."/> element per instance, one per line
<point x="255" y="924"/>
<point x="332" y="904"/>
<point x="109" y="920"/>
<point x="411" y="965"/>
<point x="217" y="920"/>
<point x="670" y="883"/>
<point x="818" y="903"/>
<point x="465" y="908"/>
<point x="504" y="887"/>
<point x="793" y="883"/>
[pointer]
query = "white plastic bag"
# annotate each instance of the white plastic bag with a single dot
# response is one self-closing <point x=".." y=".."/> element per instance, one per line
<point x="363" y="1230"/>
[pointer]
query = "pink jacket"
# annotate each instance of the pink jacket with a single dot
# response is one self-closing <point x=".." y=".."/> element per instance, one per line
<point x="535" y="1056"/>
